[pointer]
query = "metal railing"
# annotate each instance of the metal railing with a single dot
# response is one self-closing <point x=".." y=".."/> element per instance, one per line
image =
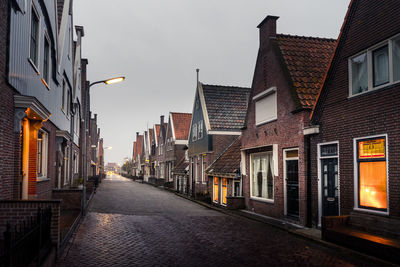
<point x="27" y="243"/>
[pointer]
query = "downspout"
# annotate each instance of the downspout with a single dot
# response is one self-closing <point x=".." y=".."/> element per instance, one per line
<point x="309" y="187"/>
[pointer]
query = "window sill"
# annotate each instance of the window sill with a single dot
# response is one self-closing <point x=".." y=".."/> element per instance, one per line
<point x="34" y="66"/>
<point x="376" y="212"/>
<point x="262" y="200"/>
<point x="267" y="121"/>
<point x="383" y="86"/>
<point x="42" y="179"/>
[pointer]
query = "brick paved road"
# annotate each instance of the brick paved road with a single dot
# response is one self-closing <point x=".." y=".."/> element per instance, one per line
<point x="132" y="224"/>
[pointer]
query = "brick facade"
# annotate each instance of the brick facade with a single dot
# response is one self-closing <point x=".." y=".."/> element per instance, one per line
<point x="342" y="118"/>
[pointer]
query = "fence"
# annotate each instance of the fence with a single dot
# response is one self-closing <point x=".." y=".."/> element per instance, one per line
<point x="28" y="242"/>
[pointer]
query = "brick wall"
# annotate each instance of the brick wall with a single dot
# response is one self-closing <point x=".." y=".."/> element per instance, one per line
<point x="342" y="118"/>
<point x="286" y="131"/>
<point x="71" y="198"/>
<point x="8" y="152"/>
<point x="16" y="211"/>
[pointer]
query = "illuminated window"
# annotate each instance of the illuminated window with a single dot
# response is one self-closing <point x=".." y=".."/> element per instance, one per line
<point x="224" y="190"/>
<point x="372" y="174"/>
<point x="216" y="189"/>
<point x="41" y="158"/>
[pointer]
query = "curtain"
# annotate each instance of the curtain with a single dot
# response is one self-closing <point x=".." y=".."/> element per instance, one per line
<point x="359" y="74"/>
<point x="256" y="168"/>
<point x="381" y="66"/>
<point x="264" y="168"/>
<point x="396" y="59"/>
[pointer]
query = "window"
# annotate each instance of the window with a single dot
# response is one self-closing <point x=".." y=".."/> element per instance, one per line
<point x="376" y="67"/>
<point x="63" y="95"/>
<point x="46" y="60"/>
<point x="68" y="102"/>
<point x="41" y="159"/>
<point x="215" y="191"/>
<point x="372" y="175"/>
<point x="200" y="129"/>
<point x="236" y="188"/>
<point x="34" y="36"/>
<point x="266" y="107"/>
<point x="66" y="165"/>
<point x="381" y="65"/>
<point x="360" y="75"/>
<point x="224" y="190"/>
<point x="76" y="162"/>
<point x="202" y="169"/>
<point x="396" y="59"/>
<point x="262" y="178"/>
<point x="194" y="132"/>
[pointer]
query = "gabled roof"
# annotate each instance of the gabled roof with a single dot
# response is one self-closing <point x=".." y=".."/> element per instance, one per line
<point x="180" y="125"/>
<point x="307" y="60"/>
<point x="228" y="163"/>
<point x="151" y="136"/>
<point x="156" y="132"/>
<point x="134" y="150"/>
<point x="139" y="144"/>
<point x="226" y="106"/>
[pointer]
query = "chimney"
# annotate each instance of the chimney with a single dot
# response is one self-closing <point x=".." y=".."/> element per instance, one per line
<point x="95" y="118"/>
<point x="162" y="120"/>
<point x="197" y="74"/>
<point x="137" y="135"/>
<point x="267" y="29"/>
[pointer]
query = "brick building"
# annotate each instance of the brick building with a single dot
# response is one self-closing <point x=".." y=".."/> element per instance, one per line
<point x="218" y="116"/>
<point x="355" y="160"/>
<point x="288" y="74"/>
<point x="177" y="136"/>
<point x="224" y="174"/>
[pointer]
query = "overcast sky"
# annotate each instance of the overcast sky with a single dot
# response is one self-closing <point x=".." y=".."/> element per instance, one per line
<point x="158" y="44"/>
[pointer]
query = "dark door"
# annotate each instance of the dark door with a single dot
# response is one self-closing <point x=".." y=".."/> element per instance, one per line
<point x="330" y="201"/>
<point x="292" y="188"/>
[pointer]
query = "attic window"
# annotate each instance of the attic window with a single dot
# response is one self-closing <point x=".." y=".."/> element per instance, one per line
<point x="194" y="132"/>
<point x="265" y="106"/>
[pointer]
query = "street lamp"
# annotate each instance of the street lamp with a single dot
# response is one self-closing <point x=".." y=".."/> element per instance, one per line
<point x="86" y="127"/>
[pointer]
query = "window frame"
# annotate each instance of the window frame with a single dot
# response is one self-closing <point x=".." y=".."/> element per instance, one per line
<point x="370" y="67"/>
<point x="34" y="62"/>
<point x="44" y="156"/>
<point x="200" y="130"/>
<point x="46" y="70"/>
<point x="194" y="132"/>
<point x="356" y="164"/>
<point x="258" y="154"/>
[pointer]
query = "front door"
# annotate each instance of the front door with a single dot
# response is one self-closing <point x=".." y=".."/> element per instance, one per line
<point x="292" y="188"/>
<point x="330" y="200"/>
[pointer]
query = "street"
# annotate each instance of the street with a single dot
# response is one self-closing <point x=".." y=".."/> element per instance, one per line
<point x="133" y="224"/>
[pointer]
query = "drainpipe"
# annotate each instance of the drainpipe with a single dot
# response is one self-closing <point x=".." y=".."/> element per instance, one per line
<point x="309" y="193"/>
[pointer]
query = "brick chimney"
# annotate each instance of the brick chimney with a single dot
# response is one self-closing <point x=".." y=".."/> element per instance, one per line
<point x="267" y="29"/>
<point x="137" y="136"/>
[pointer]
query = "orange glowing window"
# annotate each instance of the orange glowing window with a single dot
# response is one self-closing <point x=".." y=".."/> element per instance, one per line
<point x="372" y="173"/>
<point x="224" y="190"/>
<point x="216" y="191"/>
<point x="372" y="149"/>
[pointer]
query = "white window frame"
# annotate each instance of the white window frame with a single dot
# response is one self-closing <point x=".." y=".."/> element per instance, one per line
<point x="356" y="185"/>
<point x="47" y="82"/>
<point x="240" y="187"/>
<point x="66" y="165"/>
<point x="259" y="97"/>
<point x="200" y="130"/>
<point x="35" y="65"/>
<point x="251" y="177"/>
<point x="370" y="67"/>
<point x="45" y="147"/>
<point x="285" y="158"/>
<point x="319" y="168"/>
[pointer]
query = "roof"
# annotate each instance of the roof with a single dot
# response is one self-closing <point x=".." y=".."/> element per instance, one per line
<point x="139" y="144"/>
<point x="228" y="163"/>
<point x="181" y="166"/>
<point x="151" y="136"/>
<point x="157" y="131"/>
<point x="307" y="60"/>
<point x="226" y="106"/>
<point x="181" y="124"/>
<point x="134" y="149"/>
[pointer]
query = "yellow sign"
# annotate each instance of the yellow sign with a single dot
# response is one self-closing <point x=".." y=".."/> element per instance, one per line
<point x="372" y="149"/>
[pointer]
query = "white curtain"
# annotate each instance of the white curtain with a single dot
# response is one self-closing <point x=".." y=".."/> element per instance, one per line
<point x="264" y="168"/>
<point x="381" y="66"/>
<point x="359" y="74"/>
<point x="256" y="168"/>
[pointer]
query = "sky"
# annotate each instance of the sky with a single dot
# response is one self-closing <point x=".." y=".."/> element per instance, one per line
<point x="158" y="44"/>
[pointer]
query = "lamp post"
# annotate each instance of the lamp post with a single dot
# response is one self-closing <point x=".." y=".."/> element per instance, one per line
<point x="86" y="129"/>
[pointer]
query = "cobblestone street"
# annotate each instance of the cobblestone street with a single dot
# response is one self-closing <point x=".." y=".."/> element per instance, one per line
<point x="133" y="224"/>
